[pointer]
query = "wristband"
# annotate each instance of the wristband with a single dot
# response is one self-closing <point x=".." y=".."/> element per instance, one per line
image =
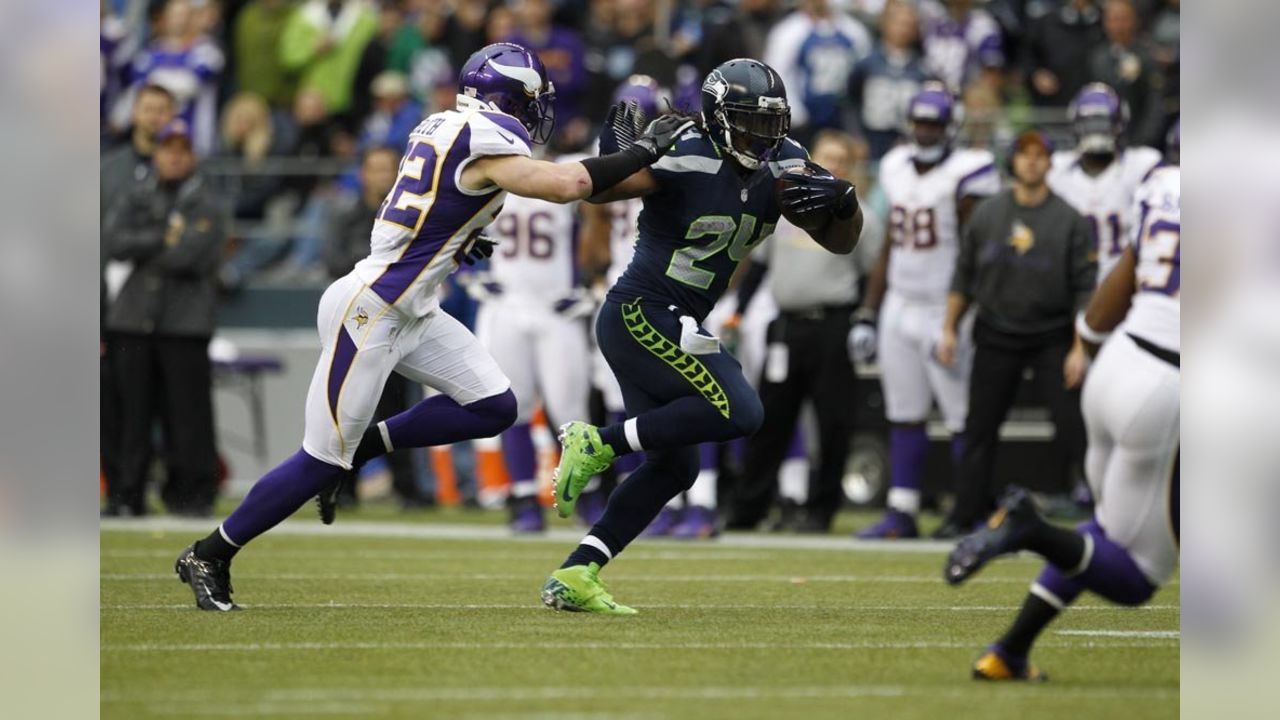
<point x="609" y="170"/>
<point x="1087" y="333"/>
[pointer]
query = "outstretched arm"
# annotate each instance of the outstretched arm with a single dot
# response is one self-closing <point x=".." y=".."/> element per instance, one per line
<point x="566" y="182"/>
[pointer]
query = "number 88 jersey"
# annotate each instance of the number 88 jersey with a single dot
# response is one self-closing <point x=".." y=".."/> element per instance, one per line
<point x="535" y="258"/>
<point x="923" y="224"/>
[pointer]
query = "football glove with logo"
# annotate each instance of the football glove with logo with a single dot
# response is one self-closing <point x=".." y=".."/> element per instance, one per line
<point x="818" y="190"/>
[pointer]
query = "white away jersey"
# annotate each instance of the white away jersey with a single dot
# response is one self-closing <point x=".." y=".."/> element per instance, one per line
<point x="1156" y="312"/>
<point x="536" y="257"/>
<point x="923" y="224"/>
<point x="427" y="216"/>
<point x="1105" y="199"/>
<point x="624" y="217"/>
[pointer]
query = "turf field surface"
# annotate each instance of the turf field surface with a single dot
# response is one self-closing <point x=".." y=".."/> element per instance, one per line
<point x="385" y="619"/>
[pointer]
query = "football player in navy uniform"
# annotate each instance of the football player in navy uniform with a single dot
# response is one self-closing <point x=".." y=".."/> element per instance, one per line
<point x="384" y="316"/>
<point x="707" y="203"/>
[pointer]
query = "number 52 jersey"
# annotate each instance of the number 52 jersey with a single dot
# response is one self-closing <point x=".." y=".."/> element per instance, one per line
<point x="428" y="215"/>
<point x="924" y="225"/>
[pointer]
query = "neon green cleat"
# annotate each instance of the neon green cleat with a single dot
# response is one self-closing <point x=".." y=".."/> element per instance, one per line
<point x="579" y="589"/>
<point x="582" y="454"/>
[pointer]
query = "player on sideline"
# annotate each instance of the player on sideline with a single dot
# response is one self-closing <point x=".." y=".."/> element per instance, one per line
<point x="1131" y="409"/>
<point x="532" y="319"/>
<point x="931" y="187"/>
<point x="383" y="317"/>
<point x="706" y="205"/>
<point x="1098" y="177"/>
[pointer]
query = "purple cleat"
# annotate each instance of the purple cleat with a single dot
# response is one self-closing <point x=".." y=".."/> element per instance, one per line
<point x="591" y="507"/>
<point x="894" y="525"/>
<point x="526" y="517"/>
<point x="698" y="523"/>
<point x="664" y="523"/>
<point x="1005" y="532"/>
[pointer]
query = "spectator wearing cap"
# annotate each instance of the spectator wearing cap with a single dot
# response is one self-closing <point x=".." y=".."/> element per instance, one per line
<point x="1125" y="63"/>
<point x="1058" y="46"/>
<point x="395" y="114"/>
<point x="171" y="230"/>
<point x="322" y="43"/>
<point x="1026" y="261"/>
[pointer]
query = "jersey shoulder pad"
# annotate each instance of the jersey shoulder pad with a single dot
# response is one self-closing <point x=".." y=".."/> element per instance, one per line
<point x="693" y="152"/>
<point x="966" y="160"/>
<point x="1063" y="160"/>
<point x="975" y="172"/>
<point x="894" y="161"/>
<point x="1139" y="162"/>
<point x="495" y="133"/>
<point x="790" y="155"/>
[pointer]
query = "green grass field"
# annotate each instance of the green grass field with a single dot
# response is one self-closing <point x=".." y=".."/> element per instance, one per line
<point x="439" y="619"/>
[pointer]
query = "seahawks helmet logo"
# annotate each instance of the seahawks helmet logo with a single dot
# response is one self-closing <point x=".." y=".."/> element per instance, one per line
<point x="716" y="85"/>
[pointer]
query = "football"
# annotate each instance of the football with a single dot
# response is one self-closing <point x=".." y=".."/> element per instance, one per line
<point x="812" y="221"/>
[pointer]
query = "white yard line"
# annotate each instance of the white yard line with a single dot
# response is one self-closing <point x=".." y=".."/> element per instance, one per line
<point x="1158" y="634"/>
<point x="691" y="606"/>
<point x="618" y="577"/>
<point x="537" y="646"/>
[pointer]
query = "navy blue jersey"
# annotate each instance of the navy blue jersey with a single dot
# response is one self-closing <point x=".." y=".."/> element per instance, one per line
<point x="703" y="220"/>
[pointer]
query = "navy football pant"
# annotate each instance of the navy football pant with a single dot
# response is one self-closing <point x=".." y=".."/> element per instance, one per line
<point x="679" y="400"/>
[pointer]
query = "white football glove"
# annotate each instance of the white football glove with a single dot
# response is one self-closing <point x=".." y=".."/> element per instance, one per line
<point x="862" y="338"/>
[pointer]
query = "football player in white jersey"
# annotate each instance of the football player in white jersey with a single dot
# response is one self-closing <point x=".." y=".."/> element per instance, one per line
<point x="1099" y="176"/>
<point x="384" y="316"/>
<point x="532" y="321"/>
<point x="1131" y="409"/>
<point x="931" y="187"/>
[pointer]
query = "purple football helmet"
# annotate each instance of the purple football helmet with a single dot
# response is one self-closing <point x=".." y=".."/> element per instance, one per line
<point x="1098" y="117"/>
<point x="931" y="118"/>
<point x="647" y="93"/>
<point x="512" y="80"/>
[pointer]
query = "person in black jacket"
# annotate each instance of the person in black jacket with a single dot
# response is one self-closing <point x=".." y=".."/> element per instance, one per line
<point x="1027" y="261"/>
<point x="169" y="231"/>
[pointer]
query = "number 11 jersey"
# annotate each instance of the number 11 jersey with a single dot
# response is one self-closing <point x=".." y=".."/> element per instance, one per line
<point x="428" y="215"/>
<point x="923" y="224"/>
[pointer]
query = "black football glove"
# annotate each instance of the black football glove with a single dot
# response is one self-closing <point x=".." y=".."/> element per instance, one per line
<point x="477" y="247"/>
<point x="624" y="122"/>
<point x="820" y="191"/>
<point x="661" y="135"/>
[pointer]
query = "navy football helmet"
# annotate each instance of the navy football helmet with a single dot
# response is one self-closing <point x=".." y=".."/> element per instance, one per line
<point x="931" y="119"/>
<point x="1098" y="117"/>
<point x="510" y="79"/>
<point x="745" y="110"/>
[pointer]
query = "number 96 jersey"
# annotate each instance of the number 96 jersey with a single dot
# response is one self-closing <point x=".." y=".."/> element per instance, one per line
<point x="535" y="258"/>
<point x="923" y="224"/>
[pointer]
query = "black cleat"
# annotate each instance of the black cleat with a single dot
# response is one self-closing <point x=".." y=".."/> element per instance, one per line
<point x="210" y="580"/>
<point x="1004" y="533"/>
<point x="327" y="504"/>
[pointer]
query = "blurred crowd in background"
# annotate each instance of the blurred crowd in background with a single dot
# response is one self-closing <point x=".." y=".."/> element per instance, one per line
<point x="283" y="97"/>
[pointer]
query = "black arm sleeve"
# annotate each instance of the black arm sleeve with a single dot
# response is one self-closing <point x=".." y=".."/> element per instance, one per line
<point x="750" y="284"/>
<point x="610" y="170"/>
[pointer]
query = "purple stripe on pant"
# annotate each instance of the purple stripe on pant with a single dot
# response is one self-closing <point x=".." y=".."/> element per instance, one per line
<point x="344" y="354"/>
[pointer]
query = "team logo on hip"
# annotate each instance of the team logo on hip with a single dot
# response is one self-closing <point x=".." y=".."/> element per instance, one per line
<point x="361" y="317"/>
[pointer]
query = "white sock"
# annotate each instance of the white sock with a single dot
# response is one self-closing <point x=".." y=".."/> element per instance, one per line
<point x="631" y="432"/>
<point x="905" y="500"/>
<point x="703" y="492"/>
<point x="793" y="480"/>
